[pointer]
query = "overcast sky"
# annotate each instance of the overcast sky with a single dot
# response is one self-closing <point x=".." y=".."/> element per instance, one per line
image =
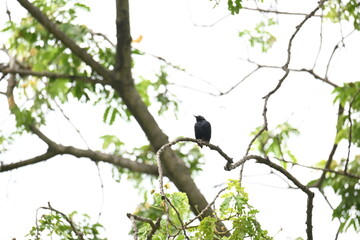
<point x="216" y="54"/>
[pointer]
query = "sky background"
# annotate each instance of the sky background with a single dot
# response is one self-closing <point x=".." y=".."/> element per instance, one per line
<point x="215" y="54"/>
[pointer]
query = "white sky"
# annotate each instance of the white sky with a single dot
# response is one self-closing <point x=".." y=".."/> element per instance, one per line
<point x="213" y="54"/>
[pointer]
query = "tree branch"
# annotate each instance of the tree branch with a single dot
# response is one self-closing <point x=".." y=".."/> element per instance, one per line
<point x="78" y="233"/>
<point x="342" y="173"/>
<point x="350" y="130"/>
<point x="58" y="149"/>
<point x="310" y="71"/>
<point x="43" y="157"/>
<point x="133" y="223"/>
<point x="331" y="155"/>
<point x="123" y="44"/>
<point x="286" y="69"/>
<point x="208" y="206"/>
<point x="289" y="176"/>
<point x="279" y="12"/>
<point x="26" y="72"/>
<point x="298" y="27"/>
<point x="154" y="226"/>
<point x="53" y="28"/>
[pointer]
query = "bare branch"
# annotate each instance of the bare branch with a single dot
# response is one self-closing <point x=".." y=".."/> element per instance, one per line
<point x="316" y="76"/>
<point x="279" y="12"/>
<point x="72" y="124"/>
<point x="133" y="223"/>
<point x="8" y="12"/>
<point x="58" y="149"/>
<point x="321" y="40"/>
<point x="298" y="27"/>
<point x="186" y="139"/>
<point x="43" y="157"/>
<point x="342" y="173"/>
<point x="242" y="80"/>
<point x="337" y="46"/>
<point x="310" y="71"/>
<point x="103" y="36"/>
<point x="331" y="155"/>
<point x="286" y="69"/>
<point x="261" y="10"/>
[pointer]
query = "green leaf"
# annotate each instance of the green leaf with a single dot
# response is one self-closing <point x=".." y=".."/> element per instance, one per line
<point x="112" y="140"/>
<point x="206" y="228"/>
<point x="234" y="6"/>
<point x="106" y="113"/>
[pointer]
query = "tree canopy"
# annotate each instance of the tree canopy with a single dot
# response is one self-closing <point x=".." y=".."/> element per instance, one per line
<point x="55" y="66"/>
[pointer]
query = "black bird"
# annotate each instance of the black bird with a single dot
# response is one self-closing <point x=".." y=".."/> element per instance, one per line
<point x="202" y="129"/>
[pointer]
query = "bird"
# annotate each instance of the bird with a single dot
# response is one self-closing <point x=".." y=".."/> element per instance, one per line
<point x="202" y="129"/>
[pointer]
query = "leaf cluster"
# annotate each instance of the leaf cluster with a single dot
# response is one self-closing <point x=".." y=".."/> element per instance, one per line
<point x="348" y="10"/>
<point x="348" y="210"/>
<point x="349" y="98"/>
<point x="55" y="224"/>
<point x="234" y="209"/>
<point x="37" y="50"/>
<point x="273" y="143"/>
<point x="260" y="35"/>
<point x="157" y="90"/>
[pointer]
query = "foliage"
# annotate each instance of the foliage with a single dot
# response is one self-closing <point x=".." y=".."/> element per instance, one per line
<point x="348" y="210"/>
<point x="348" y="10"/>
<point x="234" y="208"/>
<point x="260" y="35"/>
<point x="55" y="224"/>
<point x="39" y="51"/>
<point x="158" y="90"/>
<point x="349" y="98"/>
<point x="234" y="6"/>
<point x="273" y="143"/>
<point x="5" y="141"/>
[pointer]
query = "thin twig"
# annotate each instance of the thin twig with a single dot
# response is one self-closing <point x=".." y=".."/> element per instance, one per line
<point x="280" y="12"/>
<point x="133" y="223"/>
<point x="71" y="223"/>
<point x="72" y="124"/>
<point x="337" y="46"/>
<point x="282" y="79"/>
<point x="208" y="206"/>
<point x="342" y="173"/>
<point x="51" y="75"/>
<point x="331" y="155"/>
<point x="350" y="131"/>
<point x="321" y="40"/>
